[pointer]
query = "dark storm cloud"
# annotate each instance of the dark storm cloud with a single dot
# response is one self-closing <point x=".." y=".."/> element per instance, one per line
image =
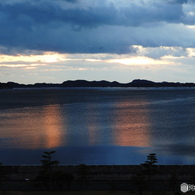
<point x="89" y="17"/>
<point x="48" y="26"/>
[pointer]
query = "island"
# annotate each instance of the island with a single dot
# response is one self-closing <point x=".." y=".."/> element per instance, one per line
<point x="103" y="83"/>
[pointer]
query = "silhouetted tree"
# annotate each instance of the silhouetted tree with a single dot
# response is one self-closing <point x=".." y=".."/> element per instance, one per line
<point x="47" y="163"/>
<point x="46" y="175"/>
<point x="152" y="160"/>
<point x="149" y="164"/>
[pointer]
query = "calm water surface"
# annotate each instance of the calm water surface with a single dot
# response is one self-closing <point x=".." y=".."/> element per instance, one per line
<point x="97" y="126"/>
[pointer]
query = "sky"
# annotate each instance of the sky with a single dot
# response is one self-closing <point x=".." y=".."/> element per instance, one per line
<point x="115" y="40"/>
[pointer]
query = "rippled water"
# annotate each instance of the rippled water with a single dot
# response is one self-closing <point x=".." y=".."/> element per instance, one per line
<point x="97" y="126"/>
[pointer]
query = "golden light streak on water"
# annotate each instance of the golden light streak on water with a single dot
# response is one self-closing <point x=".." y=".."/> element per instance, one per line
<point x="131" y="128"/>
<point x="53" y="127"/>
<point x="34" y="129"/>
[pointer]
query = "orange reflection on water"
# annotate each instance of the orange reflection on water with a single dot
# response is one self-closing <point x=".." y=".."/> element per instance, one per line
<point x="33" y="128"/>
<point x="131" y="125"/>
<point x="52" y="123"/>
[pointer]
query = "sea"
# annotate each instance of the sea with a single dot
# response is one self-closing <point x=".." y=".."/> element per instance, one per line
<point x="97" y="126"/>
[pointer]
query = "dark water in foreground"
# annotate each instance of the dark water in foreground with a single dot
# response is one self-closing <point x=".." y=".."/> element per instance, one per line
<point x="97" y="126"/>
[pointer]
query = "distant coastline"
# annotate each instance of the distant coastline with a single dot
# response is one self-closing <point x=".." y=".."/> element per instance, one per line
<point x="103" y="83"/>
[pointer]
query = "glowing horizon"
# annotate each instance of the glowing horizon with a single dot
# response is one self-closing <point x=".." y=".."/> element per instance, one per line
<point x="80" y="66"/>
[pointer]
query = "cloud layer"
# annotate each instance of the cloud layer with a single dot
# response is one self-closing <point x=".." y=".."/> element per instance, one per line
<point x="103" y="26"/>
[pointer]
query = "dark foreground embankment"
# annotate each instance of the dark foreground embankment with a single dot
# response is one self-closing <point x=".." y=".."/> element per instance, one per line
<point x="102" y="177"/>
<point x="102" y="172"/>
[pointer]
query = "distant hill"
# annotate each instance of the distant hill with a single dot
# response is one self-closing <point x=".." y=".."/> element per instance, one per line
<point x="84" y="83"/>
<point x="103" y="83"/>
